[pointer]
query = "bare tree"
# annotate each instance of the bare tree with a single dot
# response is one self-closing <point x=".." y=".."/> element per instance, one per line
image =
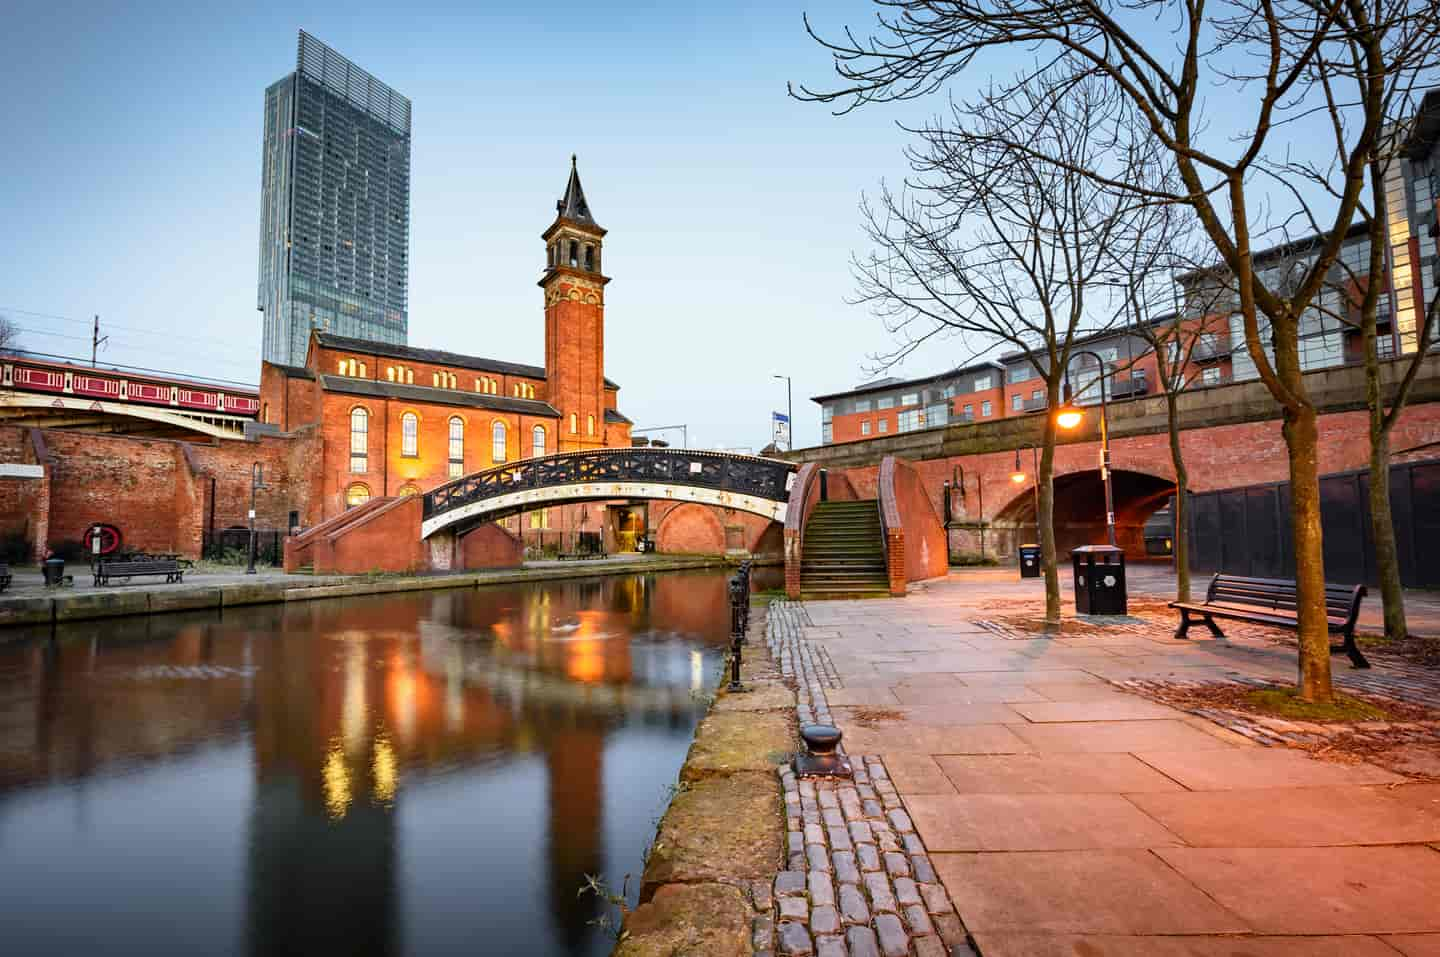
<point x="1280" y="69"/>
<point x="986" y="243"/>
<point x="9" y="334"/>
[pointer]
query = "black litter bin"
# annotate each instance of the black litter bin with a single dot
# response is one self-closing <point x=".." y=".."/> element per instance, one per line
<point x="1029" y="561"/>
<point x="1099" y="580"/>
<point x="53" y="569"/>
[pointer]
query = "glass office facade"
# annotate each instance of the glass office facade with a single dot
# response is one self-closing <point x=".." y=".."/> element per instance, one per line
<point x="335" y="206"/>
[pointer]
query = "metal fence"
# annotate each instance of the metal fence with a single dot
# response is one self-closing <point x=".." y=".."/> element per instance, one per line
<point x="230" y="545"/>
<point x="1246" y="531"/>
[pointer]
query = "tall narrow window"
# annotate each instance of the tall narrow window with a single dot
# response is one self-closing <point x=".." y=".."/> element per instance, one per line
<point x="410" y="434"/>
<point x="589" y="425"/>
<point x="573" y="429"/>
<point x="359" y="441"/>
<point x="589" y="258"/>
<point x="497" y="442"/>
<point x="457" y="447"/>
<point x="574" y="253"/>
<point x="537" y="441"/>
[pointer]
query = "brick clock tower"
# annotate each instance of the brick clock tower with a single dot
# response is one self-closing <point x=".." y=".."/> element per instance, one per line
<point x="575" y="320"/>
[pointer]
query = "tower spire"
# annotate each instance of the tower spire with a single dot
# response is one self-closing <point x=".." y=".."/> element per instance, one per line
<point x="573" y="205"/>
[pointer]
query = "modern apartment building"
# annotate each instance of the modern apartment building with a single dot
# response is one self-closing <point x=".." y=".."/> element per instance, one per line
<point x="335" y="207"/>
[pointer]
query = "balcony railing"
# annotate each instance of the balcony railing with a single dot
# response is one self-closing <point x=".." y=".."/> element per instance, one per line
<point x="1210" y="350"/>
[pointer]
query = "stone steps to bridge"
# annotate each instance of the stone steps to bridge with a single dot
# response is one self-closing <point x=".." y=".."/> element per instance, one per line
<point x="844" y="552"/>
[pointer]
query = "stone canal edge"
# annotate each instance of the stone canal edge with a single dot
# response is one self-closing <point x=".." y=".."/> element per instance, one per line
<point x="749" y="859"/>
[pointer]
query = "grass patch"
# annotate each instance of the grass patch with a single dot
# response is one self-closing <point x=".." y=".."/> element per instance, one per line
<point x="1284" y="703"/>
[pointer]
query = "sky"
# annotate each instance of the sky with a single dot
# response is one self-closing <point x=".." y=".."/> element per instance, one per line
<point x="131" y="187"/>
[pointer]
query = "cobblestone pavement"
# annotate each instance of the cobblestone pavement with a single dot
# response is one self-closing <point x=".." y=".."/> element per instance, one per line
<point x="858" y="880"/>
<point x="1065" y="815"/>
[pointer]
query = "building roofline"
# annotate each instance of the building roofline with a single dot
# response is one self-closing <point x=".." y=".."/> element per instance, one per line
<point x="423" y="393"/>
<point x="1278" y="251"/>
<point x="433" y="356"/>
<point x="898" y="383"/>
<point x="1426" y="130"/>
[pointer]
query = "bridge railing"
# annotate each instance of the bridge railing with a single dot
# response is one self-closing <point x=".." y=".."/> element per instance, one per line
<point x="741" y="474"/>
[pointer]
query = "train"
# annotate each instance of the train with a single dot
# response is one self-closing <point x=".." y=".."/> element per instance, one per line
<point x="111" y="385"/>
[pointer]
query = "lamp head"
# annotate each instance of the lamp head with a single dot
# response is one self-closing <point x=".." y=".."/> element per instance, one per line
<point x="1069" y="417"/>
<point x="1017" y="477"/>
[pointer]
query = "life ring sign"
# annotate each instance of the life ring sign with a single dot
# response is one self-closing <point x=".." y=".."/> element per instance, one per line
<point x="109" y="538"/>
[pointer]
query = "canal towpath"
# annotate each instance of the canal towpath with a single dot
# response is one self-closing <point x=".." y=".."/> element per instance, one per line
<point x="1065" y="815"/>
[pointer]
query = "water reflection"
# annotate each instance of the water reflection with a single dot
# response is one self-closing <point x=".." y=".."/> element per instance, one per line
<point x="417" y="773"/>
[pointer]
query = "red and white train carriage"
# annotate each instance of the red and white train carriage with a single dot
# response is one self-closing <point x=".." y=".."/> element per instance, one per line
<point x="34" y="375"/>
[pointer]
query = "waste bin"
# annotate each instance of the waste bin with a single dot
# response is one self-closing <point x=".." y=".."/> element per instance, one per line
<point x="1029" y="561"/>
<point x="53" y="569"/>
<point x="1099" y="580"/>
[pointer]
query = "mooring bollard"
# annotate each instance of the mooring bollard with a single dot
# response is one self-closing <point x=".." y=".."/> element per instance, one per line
<point x="737" y="635"/>
<point x="820" y="757"/>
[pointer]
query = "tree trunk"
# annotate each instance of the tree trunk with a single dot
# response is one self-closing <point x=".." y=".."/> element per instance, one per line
<point x="1302" y="440"/>
<point x="1179" y="534"/>
<point x="1382" y="533"/>
<point x="1045" y="521"/>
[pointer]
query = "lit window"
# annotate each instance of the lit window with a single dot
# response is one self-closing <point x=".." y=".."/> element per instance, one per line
<point x="410" y="434"/>
<point x="457" y="447"/>
<point x="342" y="367"/>
<point x="497" y="442"/>
<point x="540" y="519"/>
<point x="865" y="427"/>
<point x="390" y="373"/>
<point x="589" y="425"/>
<point x="409" y="376"/>
<point x="573" y="428"/>
<point x="356" y="494"/>
<point x="537" y="441"/>
<point x="362" y="370"/>
<point x="409" y="488"/>
<point x="359" y="441"/>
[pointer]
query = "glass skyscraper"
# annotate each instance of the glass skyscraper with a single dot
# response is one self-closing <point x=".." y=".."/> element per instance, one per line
<point x="335" y="206"/>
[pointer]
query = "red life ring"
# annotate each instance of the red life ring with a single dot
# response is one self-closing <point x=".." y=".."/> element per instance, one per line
<point x="110" y="539"/>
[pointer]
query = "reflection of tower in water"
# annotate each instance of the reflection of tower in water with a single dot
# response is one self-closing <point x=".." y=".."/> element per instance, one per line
<point x="574" y="764"/>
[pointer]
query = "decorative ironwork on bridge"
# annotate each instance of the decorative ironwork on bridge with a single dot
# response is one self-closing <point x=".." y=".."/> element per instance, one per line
<point x="742" y="482"/>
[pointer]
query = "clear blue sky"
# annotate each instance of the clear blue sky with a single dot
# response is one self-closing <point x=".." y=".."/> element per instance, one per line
<point x="132" y="186"/>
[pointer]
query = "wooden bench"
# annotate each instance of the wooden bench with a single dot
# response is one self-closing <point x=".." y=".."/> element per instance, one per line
<point x="5" y="577"/>
<point x="169" y="567"/>
<point x="1272" y="601"/>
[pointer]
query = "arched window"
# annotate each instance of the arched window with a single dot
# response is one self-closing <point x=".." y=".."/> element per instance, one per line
<point x="359" y="442"/>
<point x="589" y="258"/>
<point x="409" y="488"/>
<point x="410" y="434"/>
<point x="362" y="370"/>
<point x="457" y="446"/>
<point x="409" y="376"/>
<point x="497" y="442"/>
<point x="357" y="494"/>
<point x="589" y="425"/>
<point x="574" y="253"/>
<point x="265" y="412"/>
<point x="390" y="373"/>
<point x="537" y="441"/>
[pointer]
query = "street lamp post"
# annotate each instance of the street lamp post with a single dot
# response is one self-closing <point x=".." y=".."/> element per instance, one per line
<point x="789" y="415"/>
<point x="1018" y="476"/>
<point x="1070" y="416"/>
<point x="256" y="483"/>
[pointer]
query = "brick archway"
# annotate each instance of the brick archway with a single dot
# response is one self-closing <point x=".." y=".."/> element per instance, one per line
<point x="1080" y="508"/>
<point x="690" y="528"/>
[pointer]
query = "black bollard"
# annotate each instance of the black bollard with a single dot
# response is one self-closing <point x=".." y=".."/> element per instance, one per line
<point x="737" y="634"/>
<point x="821" y="757"/>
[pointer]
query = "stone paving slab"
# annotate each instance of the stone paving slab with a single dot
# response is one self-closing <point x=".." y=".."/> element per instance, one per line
<point x="1415" y="945"/>
<point x="1332" y="890"/>
<point x="988" y="712"/>
<point x="967" y="694"/>
<point x="1299" y="817"/>
<point x="1034" y="822"/>
<point x="1079" y="892"/>
<point x="1249" y="768"/>
<point x="1098" y="945"/>
<point x="1091" y="736"/>
<point x="1133" y="709"/>
<point x="1051" y="774"/>
<point x="953" y="739"/>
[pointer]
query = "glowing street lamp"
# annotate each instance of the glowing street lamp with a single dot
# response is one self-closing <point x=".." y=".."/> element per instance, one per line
<point x="1068" y="416"/>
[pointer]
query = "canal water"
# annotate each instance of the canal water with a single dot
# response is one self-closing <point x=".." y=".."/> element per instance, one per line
<point x="421" y="773"/>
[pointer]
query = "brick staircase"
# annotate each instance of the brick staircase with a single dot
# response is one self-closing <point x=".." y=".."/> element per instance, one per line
<point x="844" y="552"/>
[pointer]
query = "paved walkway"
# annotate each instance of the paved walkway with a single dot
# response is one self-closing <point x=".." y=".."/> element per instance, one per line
<point x="1067" y="817"/>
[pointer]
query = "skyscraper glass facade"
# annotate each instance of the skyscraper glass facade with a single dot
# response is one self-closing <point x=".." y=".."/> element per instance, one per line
<point x="335" y="206"/>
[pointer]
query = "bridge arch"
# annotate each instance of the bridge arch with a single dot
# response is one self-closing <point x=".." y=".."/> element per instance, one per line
<point x="742" y="482"/>
<point x="1079" y="517"/>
